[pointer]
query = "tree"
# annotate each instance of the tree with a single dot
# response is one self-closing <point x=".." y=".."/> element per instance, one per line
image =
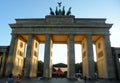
<point x="40" y="68"/>
<point x="78" y="67"/>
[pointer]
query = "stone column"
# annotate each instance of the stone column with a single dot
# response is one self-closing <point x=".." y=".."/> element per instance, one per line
<point x="10" y="59"/>
<point x="87" y="57"/>
<point x="47" y="72"/>
<point x="2" y="70"/>
<point x="34" y="57"/>
<point x="117" y="65"/>
<point x="71" y="57"/>
<point x="90" y="56"/>
<point x="108" y="58"/>
<point x="28" y="57"/>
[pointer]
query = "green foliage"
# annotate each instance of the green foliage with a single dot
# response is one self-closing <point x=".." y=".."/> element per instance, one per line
<point x="78" y="67"/>
<point x="40" y="66"/>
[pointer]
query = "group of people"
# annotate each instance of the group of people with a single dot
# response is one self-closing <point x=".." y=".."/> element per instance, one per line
<point x="12" y="80"/>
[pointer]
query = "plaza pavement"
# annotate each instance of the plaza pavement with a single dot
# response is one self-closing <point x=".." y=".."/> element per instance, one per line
<point x="61" y="80"/>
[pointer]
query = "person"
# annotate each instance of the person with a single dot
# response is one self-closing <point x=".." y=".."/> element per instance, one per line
<point x="10" y="79"/>
<point x="18" y="80"/>
<point x="85" y="79"/>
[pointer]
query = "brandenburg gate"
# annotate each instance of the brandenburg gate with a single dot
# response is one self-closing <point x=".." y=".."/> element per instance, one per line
<point x="60" y="29"/>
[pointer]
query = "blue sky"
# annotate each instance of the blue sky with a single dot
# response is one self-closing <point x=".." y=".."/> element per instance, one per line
<point x="12" y="9"/>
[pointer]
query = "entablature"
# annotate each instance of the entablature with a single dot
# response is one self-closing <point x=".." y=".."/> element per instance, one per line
<point x="61" y="21"/>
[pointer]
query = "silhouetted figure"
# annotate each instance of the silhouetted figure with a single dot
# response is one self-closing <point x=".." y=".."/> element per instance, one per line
<point x="59" y="4"/>
<point x="56" y="11"/>
<point x="51" y="11"/>
<point x="10" y="79"/>
<point x="63" y="10"/>
<point x="18" y="80"/>
<point x="60" y="12"/>
<point x="69" y="11"/>
<point x="85" y="78"/>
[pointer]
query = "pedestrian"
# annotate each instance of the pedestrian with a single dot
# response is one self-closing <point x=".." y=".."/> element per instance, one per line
<point x="10" y="79"/>
<point x="18" y="80"/>
<point x="85" y="79"/>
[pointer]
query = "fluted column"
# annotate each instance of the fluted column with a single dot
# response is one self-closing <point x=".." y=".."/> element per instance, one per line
<point x="2" y="70"/>
<point x="90" y="56"/>
<point x="108" y="58"/>
<point x="28" y="57"/>
<point x="71" y="57"/>
<point x="47" y="72"/>
<point x="10" y="59"/>
<point x="87" y="56"/>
